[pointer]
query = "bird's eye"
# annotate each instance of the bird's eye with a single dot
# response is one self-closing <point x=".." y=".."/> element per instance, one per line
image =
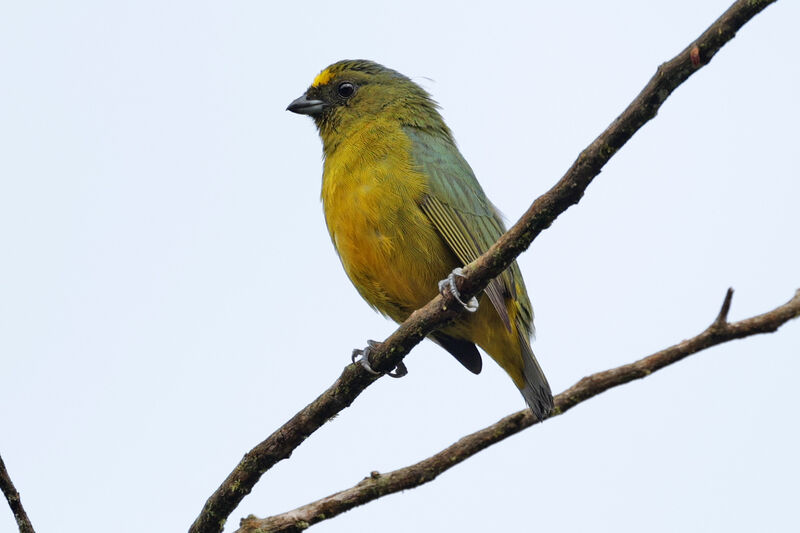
<point x="346" y="89"/>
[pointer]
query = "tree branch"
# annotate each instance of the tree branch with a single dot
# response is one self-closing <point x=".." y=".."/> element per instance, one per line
<point x="441" y="310"/>
<point x="14" y="501"/>
<point x="379" y="485"/>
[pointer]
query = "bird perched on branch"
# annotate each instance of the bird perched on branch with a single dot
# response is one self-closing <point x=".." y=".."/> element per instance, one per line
<point x="404" y="211"/>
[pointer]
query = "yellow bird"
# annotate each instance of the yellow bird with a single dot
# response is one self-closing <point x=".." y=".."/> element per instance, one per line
<point x="404" y="210"/>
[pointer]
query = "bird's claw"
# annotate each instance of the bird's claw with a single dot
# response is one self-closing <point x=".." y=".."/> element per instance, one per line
<point x="450" y="283"/>
<point x="399" y="371"/>
<point x="362" y="357"/>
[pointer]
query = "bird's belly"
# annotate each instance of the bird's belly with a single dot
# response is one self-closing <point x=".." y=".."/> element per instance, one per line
<point x="389" y="249"/>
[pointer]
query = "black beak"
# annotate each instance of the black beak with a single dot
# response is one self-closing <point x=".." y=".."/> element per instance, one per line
<point x="304" y="106"/>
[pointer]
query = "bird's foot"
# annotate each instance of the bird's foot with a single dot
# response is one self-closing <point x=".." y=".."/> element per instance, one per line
<point x="362" y="357"/>
<point x="450" y="283"/>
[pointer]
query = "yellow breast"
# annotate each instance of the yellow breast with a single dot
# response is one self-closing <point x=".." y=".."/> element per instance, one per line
<point x="388" y="247"/>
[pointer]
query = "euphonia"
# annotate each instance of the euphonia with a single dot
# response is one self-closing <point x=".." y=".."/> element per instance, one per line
<point x="404" y="210"/>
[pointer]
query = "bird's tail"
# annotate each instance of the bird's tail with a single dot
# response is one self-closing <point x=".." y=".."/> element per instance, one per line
<point x="536" y="390"/>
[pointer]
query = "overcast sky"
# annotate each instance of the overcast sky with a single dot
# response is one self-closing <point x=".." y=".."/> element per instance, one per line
<point x="169" y="294"/>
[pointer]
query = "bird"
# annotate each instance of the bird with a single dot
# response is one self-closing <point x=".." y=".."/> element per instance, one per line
<point x="405" y="212"/>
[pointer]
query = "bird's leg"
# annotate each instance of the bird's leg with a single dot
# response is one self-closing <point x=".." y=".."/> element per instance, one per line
<point x="362" y="356"/>
<point x="450" y="283"/>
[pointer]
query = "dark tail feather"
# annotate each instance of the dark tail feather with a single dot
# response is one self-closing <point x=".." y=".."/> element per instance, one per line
<point x="536" y="390"/>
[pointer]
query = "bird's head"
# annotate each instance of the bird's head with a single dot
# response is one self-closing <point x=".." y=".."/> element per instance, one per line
<point x="352" y="93"/>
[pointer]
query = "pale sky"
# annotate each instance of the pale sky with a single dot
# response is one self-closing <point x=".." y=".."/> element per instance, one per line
<point x="169" y="294"/>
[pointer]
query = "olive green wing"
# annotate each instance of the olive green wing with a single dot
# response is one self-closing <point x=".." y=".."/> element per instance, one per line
<point x="466" y="220"/>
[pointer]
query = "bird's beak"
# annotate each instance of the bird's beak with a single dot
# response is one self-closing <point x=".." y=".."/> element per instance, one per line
<point x="304" y="106"/>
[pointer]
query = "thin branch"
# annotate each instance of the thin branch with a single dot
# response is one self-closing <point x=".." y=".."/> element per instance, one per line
<point x="14" y="501"/>
<point x="441" y="310"/>
<point x="379" y="485"/>
<point x="722" y="317"/>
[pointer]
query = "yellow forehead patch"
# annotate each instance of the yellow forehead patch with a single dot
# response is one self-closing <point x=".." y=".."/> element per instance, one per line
<point x="322" y="78"/>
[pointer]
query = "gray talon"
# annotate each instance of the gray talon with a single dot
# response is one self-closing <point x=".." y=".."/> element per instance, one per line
<point x="399" y="371"/>
<point x="450" y="283"/>
<point x="362" y="357"/>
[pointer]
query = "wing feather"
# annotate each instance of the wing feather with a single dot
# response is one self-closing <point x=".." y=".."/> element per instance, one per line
<point x="464" y="217"/>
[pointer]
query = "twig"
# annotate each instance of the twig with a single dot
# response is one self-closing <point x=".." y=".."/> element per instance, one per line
<point x="14" y="501"/>
<point x="722" y="317"/>
<point x="567" y="192"/>
<point x="379" y="485"/>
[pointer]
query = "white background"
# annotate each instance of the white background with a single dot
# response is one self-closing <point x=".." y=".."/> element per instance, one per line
<point x="169" y="294"/>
